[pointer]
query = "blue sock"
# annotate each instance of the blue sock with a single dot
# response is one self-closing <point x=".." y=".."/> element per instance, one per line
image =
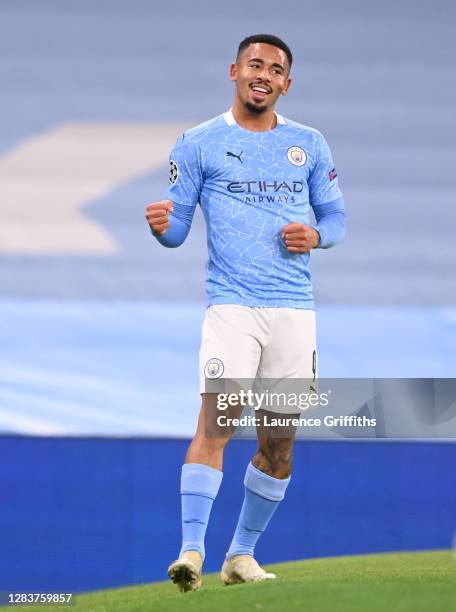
<point x="199" y="487"/>
<point x="263" y="494"/>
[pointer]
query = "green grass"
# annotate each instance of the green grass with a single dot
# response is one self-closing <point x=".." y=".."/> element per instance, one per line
<point x="412" y="582"/>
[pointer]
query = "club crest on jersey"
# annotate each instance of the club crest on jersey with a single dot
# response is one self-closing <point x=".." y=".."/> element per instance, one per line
<point x="214" y="368"/>
<point x="296" y="156"/>
<point x="173" y="171"/>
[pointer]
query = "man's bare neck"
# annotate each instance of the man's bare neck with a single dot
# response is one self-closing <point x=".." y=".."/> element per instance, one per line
<point x="253" y="121"/>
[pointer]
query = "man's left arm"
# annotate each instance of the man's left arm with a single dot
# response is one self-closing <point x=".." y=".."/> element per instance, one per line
<point x="328" y="206"/>
<point x="326" y="197"/>
<point x="331" y="223"/>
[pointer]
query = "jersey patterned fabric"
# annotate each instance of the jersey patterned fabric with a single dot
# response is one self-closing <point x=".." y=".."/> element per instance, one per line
<point x="250" y="185"/>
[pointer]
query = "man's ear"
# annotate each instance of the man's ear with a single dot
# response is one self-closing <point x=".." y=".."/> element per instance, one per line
<point x="233" y="72"/>
<point x="286" y="88"/>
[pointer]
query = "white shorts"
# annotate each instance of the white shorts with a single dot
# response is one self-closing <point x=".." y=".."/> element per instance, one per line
<point x="239" y="342"/>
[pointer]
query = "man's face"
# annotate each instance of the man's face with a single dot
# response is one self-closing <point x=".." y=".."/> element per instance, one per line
<point x="261" y="76"/>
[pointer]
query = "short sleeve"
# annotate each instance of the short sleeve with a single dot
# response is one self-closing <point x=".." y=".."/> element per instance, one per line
<point x="323" y="180"/>
<point x="185" y="177"/>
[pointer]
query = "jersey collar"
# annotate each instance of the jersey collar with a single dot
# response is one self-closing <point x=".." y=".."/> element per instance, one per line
<point x="230" y="120"/>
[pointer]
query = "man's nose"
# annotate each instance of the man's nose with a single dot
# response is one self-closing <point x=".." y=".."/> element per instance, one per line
<point x="264" y="74"/>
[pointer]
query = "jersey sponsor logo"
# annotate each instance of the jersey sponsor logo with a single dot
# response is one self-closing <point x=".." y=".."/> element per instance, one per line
<point x="265" y="186"/>
<point x="332" y="174"/>
<point x="173" y="171"/>
<point x="267" y="192"/>
<point x="214" y="368"/>
<point x="296" y="156"/>
<point x="230" y="154"/>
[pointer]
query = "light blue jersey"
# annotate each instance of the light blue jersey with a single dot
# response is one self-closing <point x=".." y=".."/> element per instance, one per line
<point x="250" y="185"/>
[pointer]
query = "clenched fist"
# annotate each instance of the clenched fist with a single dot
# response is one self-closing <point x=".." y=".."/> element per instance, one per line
<point x="300" y="238"/>
<point x="157" y="216"/>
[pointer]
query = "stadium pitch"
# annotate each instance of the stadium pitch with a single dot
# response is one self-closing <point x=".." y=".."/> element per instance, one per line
<point x="398" y="582"/>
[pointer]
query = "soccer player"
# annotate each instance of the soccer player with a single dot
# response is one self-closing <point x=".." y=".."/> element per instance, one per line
<point x="256" y="175"/>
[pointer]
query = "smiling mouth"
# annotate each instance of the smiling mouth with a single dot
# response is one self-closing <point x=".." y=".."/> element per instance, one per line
<point x="260" y="90"/>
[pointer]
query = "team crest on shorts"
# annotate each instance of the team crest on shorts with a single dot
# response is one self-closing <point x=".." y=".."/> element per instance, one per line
<point x="173" y="171"/>
<point x="296" y="156"/>
<point x="214" y="368"/>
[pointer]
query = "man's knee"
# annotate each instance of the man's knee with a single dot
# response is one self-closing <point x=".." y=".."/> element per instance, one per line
<point x="209" y="423"/>
<point x="211" y="442"/>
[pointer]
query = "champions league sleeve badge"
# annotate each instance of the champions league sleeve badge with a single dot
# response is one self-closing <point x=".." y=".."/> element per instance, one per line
<point x="173" y="171"/>
<point x="296" y="156"/>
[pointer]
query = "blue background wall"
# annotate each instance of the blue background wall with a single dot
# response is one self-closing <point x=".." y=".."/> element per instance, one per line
<point x="82" y="514"/>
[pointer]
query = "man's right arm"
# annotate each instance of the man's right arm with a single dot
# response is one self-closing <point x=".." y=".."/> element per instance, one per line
<point x="170" y="220"/>
<point x="169" y="230"/>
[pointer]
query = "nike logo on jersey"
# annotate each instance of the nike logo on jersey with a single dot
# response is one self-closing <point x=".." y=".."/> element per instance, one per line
<point x="229" y="154"/>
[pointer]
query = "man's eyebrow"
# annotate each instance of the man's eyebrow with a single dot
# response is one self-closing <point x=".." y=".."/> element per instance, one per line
<point x="275" y="64"/>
